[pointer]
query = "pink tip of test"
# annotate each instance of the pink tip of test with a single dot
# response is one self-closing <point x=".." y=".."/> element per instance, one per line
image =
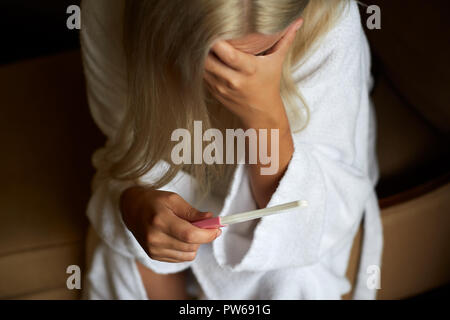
<point x="210" y="223"/>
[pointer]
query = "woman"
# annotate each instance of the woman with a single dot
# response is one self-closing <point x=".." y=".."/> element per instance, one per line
<point x="298" y="68"/>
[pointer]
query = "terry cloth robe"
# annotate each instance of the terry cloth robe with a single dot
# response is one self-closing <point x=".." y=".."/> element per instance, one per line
<point x="296" y="255"/>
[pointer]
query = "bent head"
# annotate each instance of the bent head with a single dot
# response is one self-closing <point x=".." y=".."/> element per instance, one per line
<point x="166" y="44"/>
<point x="180" y="32"/>
<point x="256" y="43"/>
<point x="264" y="24"/>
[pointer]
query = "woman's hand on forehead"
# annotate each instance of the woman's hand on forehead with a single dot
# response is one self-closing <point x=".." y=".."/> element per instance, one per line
<point x="238" y="59"/>
<point x="249" y="85"/>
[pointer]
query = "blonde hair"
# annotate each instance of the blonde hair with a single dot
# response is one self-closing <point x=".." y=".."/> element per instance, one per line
<point x="166" y="44"/>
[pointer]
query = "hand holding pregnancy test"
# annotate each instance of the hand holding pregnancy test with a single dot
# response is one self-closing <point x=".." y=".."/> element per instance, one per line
<point x="218" y="222"/>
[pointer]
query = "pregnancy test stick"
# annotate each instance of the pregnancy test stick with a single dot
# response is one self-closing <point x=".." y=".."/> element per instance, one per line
<point x="217" y="222"/>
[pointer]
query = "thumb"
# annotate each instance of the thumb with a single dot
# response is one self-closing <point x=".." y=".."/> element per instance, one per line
<point x="282" y="47"/>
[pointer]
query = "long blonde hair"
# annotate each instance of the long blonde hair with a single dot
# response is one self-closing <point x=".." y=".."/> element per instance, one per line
<point x="166" y="44"/>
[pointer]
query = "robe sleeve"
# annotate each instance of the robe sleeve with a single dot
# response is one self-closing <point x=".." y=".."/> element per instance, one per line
<point x="104" y="68"/>
<point x="330" y="165"/>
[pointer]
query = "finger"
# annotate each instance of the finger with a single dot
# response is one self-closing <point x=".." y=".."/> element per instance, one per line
<point x="217" y="86"/>
<point x="160" y="239"/>
<point x="233" y="58"/>
<point x="212" y="80"/>
<point x="186" y="232"/>
<point x="181" y="208"/>
<point x="218" y="68"/>
<point x="282" y="47"/>
<point x="169" y="254"/>
<point x="167" y="260"/>
<point x="221" y="93"/>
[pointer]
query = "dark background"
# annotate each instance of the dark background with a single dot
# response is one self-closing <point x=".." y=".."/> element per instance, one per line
<point x="36" y="28"/>
<point x="30" y="28"/>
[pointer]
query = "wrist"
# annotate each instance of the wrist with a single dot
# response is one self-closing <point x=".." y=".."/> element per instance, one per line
<point x="269" y="122"/>
<point x="274" y="118"/>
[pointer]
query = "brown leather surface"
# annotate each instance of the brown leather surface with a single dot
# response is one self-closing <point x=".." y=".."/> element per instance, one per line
<point x="58" y="293"/>
<point x="34" y="271"/>
<point x="416" y="255"/>
<point x="353" y="263"/>
<point x="47" y="138"/>
<point x="410" y="151"/>
<point x="413" y="48"/>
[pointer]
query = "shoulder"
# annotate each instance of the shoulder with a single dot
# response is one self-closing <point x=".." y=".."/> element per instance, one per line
<point x="102" y="19"/>
<point x="104" y="61"/>
<point x="338" y="49"/>
<point x="101" y="37"/>
<point x="347" y="33"/>
<point x="349" y="26"/>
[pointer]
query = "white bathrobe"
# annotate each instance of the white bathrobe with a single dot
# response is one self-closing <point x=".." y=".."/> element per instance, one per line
<point x="297" y="255"/>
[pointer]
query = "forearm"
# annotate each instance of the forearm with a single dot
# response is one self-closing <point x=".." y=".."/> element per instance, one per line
<point x="264" y="185"/>
<point x="249" y="86"/>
